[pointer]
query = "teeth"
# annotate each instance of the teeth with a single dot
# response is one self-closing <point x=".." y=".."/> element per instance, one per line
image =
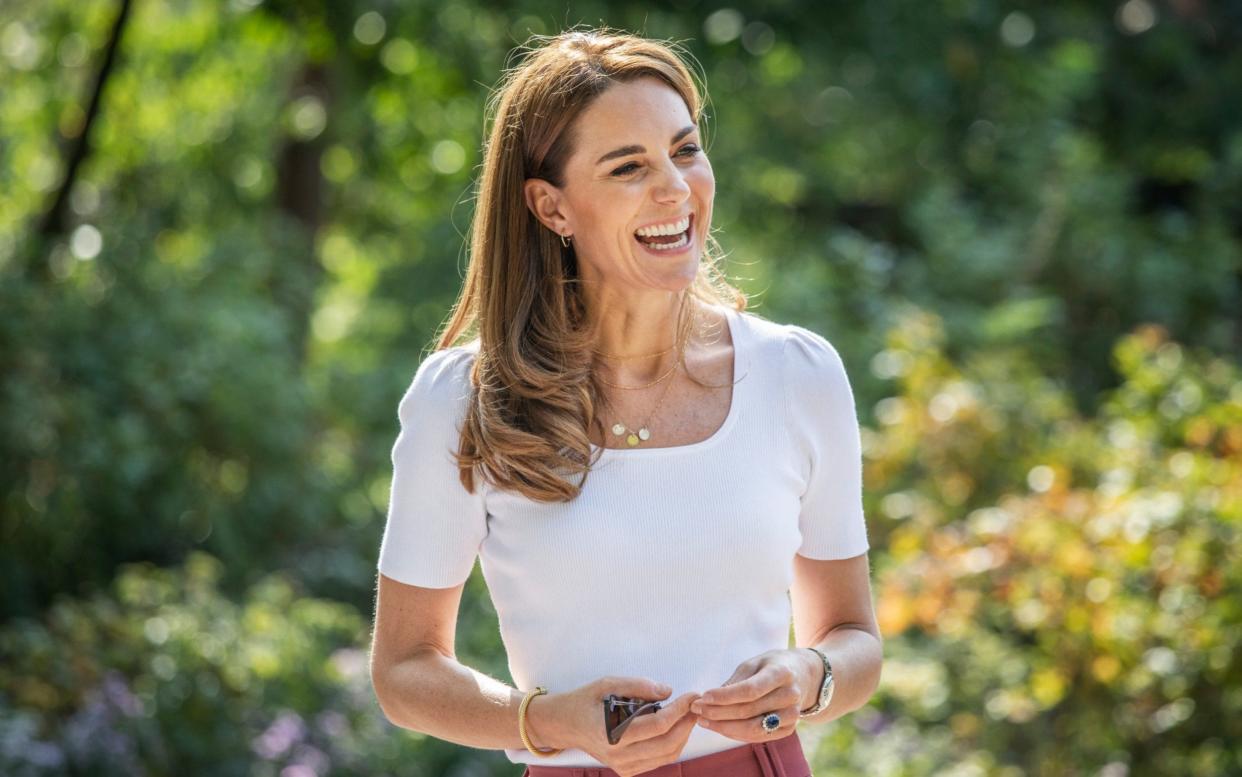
<point x="666" y="229"/>
<point x="681" y="242"/>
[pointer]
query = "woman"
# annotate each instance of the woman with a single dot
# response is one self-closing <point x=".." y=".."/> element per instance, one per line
<point x="654" y="479"/>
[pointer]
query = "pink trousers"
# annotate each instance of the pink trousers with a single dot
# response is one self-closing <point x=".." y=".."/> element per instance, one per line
<point x="777" y="758"/>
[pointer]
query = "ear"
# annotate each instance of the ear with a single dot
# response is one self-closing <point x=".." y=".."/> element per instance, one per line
<point x="548" y="204"/>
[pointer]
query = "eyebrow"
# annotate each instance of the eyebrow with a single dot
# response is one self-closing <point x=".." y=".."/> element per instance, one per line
<point x="627" y="150"/>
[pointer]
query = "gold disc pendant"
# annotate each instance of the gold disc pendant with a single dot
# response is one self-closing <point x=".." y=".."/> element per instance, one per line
<point x="632" y="438"/>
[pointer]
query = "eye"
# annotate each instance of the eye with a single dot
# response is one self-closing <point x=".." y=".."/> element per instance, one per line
<point x="687" y="150"/>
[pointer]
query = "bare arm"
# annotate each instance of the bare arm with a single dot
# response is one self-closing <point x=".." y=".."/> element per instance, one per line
<point x="422" y="686"/>
<point x="832" y="611"/>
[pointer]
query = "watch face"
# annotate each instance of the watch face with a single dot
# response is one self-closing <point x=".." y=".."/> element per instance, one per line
<point x="826" y="693"/>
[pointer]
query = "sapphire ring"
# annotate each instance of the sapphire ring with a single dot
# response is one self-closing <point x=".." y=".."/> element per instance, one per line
<point x="771" y="722"/>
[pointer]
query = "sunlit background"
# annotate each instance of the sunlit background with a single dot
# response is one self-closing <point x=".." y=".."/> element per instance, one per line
<point x="229" y="231"/>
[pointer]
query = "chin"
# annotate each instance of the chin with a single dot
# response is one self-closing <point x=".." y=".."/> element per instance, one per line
<point x="683" y="275"/>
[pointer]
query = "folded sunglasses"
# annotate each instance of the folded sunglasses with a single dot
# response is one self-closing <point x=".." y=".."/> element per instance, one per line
<point x="619" y="711"/>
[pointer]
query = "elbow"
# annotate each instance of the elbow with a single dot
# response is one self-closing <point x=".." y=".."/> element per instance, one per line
<point x="879" y="654"/>
<point x="379" y="687"/>
<point x="393" y="682"/>
<point x="875" y="678"/>
<point x="876" y="671"/>
<point x="386" y="695"/>
<point x="871" y="669"/>
<point x="868" y="686"/>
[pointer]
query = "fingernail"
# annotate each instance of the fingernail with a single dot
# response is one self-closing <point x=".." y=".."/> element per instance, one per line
<point x="696" y="708"/>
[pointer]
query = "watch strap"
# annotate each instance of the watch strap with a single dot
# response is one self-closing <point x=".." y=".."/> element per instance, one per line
<point x="825" y="689"/>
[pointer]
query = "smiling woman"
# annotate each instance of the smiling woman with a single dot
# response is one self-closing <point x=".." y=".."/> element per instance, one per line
<point x="722" y="451"/>
<point x="646" y="192"/>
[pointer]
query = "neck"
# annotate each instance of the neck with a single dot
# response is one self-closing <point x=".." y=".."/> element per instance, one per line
<point x="632" y="336"/>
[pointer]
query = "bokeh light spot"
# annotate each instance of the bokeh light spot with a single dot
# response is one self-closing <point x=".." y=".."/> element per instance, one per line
<point x="1135" y="16"/>
<point x="1040" y="478"/>
<point x="369" y="29"/>
<point x="399" y="56"/>
<point x="447" y="157"/>
<point x="723" y="26"/>
<point x="307" y="117"/>
<point x="86" y="242"/>
<point x="1017" y="29"/>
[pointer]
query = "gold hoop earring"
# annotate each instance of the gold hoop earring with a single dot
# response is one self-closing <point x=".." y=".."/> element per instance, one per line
<point x="564" y="241"/>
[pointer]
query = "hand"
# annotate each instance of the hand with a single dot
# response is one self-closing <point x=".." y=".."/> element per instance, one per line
<point x="576" y="719"/>
<point x="773" y="681"/>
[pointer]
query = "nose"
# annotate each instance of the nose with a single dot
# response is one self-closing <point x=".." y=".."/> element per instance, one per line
<point x="673" y="187"/>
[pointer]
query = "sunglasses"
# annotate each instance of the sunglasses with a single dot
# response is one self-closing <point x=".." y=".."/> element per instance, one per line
<point x="619" y="711"/>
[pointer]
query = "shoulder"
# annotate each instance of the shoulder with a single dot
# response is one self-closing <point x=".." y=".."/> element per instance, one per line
<point x="816" y="387"/>
<point x="804" y="355"/>
<point x="809" y="356"/>
<point x="819" y="400"/>
<point x="441" y="384"/>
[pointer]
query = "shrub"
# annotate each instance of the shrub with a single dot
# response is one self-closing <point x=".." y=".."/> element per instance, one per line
<point x="1060" y="596"/>
<point x="163" y="675"/>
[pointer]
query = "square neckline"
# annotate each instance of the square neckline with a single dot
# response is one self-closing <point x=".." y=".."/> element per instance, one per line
<point x="733" y="320"/>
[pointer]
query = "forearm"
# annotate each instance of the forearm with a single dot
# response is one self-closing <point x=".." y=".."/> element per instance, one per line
<point x="856" y="657"/>
<point x="439" y="696"/>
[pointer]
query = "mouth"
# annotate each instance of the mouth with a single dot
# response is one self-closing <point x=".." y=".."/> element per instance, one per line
<point x="664" y="245"/>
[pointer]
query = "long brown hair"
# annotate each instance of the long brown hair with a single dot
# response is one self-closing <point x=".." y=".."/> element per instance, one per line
<point x="535" y="395"/>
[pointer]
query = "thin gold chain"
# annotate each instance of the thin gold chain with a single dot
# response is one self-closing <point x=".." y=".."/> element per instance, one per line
<point x="643" y="356"/>
<point x="643" y="432"/>
<point x="637" y="434"/>
<point x="680" y="345"/>
<point x="649" y="385"/>
<point x="662" y="395"/>
<point x="636" y="356"/>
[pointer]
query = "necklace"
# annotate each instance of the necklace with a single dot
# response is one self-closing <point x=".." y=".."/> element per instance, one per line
<point x="649" y="385"/>
<point x="643" y="433"/>
<point x="636" y="356"/>
<point x="640" y="356"/>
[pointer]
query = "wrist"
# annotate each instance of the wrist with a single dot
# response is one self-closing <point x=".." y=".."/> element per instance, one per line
<point x="542" y="723"/>
<point x="812" y="677"/>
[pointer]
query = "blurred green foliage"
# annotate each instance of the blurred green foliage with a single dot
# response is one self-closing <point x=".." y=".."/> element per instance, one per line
<point x="164" y="675"/>
<point x="1019" y="223"/>
<point x="1059" y="593"/>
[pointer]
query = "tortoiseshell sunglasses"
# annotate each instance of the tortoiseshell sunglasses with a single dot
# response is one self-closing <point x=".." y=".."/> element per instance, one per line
<point x="619" y="711"/>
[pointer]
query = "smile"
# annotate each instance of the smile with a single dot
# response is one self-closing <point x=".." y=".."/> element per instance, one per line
<point x="668" y="244"/>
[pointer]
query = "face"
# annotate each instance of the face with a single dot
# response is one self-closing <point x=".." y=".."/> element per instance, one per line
<point x="638" y="163"/>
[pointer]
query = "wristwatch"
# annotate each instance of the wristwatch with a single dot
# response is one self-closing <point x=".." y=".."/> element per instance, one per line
<point x="825" y="689"/>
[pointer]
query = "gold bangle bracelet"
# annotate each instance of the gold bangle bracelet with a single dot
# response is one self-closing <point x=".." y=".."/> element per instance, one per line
<point x="522" y="723"/>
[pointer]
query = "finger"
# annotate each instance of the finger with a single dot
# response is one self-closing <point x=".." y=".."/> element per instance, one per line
<point x="744" y="670"/>
<point x="633" y="688"/>
<point x="777" y="698"/>
<point x="756" y="686"/>
<point x="665" y="748"/>
<point x="751" y="729"/>
<point x="657" y="723"/>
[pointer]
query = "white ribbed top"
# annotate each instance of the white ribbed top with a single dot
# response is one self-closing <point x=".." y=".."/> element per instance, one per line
<point x="674" y="563"/>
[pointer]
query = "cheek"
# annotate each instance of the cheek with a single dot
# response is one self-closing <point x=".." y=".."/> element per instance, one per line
<point x="703" y="180"/>
<point x="595" y="219"/>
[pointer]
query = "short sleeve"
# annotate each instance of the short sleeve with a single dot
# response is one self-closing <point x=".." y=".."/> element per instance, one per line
<point x="824" y="434"/>
<point x="434" y="526"/>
